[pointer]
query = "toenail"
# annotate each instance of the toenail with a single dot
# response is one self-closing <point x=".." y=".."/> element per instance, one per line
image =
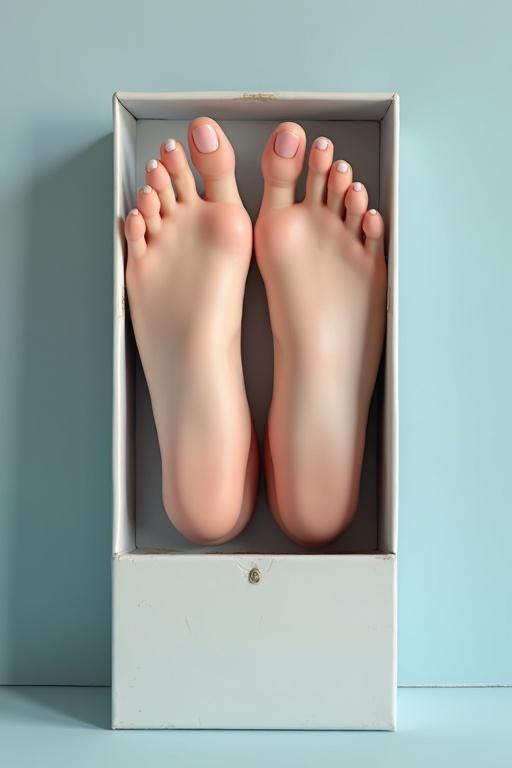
<point x="372" y="211"/>
<point x="286" y="144"/>
<point x="147" y="189"/>
<point x="134" y="212"/>
<point x="205" y="138"/>
<point x="322" y="143"/>
<point x="342" y="167"/>
<point x="170" y="145"/>
<point x="151" y="165"/>
<point x="357" y="186"/>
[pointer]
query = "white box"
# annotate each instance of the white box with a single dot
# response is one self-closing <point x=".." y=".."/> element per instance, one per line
<point x="195" y="644"/>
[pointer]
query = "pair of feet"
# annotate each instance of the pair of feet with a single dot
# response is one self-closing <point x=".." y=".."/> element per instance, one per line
<point x="322" y="262"/>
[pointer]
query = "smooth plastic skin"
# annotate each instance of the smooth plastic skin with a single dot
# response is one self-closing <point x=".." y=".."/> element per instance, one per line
<point x="322" y="261"/>
<point x="187" y="265"/>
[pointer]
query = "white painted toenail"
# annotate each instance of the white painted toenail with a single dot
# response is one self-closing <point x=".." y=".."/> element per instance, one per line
<point x="322" y="143"/>
<point x="147" y="189"/>
<point x="151" y="165"/>
<point x="357" y="186"/>
<point x="372" y="211"/>
<point x="170" y="145"/>
<point x="134" y="212"/>
<point x="342" y="167"/>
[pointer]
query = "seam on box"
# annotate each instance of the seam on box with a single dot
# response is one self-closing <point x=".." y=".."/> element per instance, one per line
<point x="135" y="554"/>
<point x="121" y="102"/>
<point x="389" y="105"/>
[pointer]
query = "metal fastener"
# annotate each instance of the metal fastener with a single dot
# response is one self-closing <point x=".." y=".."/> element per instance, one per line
<point x="254" y="575"/>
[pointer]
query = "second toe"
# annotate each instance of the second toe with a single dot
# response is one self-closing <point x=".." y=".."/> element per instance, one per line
<point x="320" y="161"/>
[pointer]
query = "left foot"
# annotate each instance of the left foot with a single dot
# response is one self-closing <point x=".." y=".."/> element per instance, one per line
<point x="322" y="261"/>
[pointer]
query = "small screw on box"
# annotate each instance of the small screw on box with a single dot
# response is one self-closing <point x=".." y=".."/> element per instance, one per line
<point x="254" y="575"/>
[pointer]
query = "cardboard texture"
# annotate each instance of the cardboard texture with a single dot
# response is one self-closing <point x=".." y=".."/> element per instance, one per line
<point x="195" y="643"/>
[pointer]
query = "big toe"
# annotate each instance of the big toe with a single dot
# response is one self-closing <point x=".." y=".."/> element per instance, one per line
<point x="214" y="158"/>
<point x="281" y="164"/>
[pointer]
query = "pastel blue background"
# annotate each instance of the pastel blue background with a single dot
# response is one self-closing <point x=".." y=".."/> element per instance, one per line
<point x="60" y="63"/>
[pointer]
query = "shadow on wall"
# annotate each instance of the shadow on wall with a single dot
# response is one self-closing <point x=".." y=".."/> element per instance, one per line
<point x="60" y="555"/>
<point x="57" y="706"/>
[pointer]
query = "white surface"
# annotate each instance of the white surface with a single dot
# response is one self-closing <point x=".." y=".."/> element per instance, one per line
<point x="389" y="169"/>
<point x="309" y="646"/>
<point x="123" y="468"/>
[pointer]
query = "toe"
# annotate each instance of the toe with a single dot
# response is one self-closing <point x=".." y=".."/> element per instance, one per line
<point x="214" y="158"/>
<point x="320" y="161"/>
<point x="356" y="203"/>
<point x="281" y="164"/>
<point x="174" y="159"/>
<point x="157" y="177"/>
<point x="134" y="230"/>
<point x="373" y="228"/>
<point x="340" y="179"/>
<point x="148" y="204"/>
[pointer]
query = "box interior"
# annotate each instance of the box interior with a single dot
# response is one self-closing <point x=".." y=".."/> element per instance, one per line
<point x="364" y="132"/>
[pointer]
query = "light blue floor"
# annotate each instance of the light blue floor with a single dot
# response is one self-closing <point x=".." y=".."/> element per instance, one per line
<point x="65" y="726"/>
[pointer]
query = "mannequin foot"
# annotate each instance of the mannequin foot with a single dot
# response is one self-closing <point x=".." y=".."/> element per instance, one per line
<point x="187" y="265"/>
<point x="322" y="261"/>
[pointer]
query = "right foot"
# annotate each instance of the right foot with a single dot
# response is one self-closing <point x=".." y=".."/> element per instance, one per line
<point x="188" y="260"/>
<point x="322" y="261"/>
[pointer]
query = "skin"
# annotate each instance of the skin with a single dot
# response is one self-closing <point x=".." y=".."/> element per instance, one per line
<point x="187" y="265"/>
<point x="322" y="261"/>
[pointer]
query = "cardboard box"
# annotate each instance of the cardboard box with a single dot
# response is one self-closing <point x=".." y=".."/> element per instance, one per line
<point x="195" y="642"/>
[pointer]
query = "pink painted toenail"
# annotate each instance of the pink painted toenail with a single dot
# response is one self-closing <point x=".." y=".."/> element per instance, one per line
<point x="205" y="138"/>
<point x="357" y="186"/>
<point x="147" y="189"/>
<point x="342" y="167"/>
<point x="170" y="145"/>
<point x="322" y="143"/>
<point x="134" y="212"/>
<point x="372" y="211"/>
<point x="286" y="144"/>
<point x="151" y="165"/>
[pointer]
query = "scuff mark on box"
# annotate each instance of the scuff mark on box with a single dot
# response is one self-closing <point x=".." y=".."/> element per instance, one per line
<point x="261" y="97"/>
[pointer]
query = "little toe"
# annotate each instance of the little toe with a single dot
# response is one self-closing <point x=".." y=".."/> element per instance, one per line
<point x="340" y="179"/>
<point x="281" y="164"/>
<point x="134" y="230"/>
<point x="157" y="177"/>
<point x="373" y="228"/>
<point x="320" y="161"/>
<point x="214" y="158"/>
<point x="148" y="204"/>
<point x="356" y="203"/>
<point x="174" y="159"/>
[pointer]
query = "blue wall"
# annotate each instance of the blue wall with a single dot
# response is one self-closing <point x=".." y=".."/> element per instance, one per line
<point x="60" y="63"/>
